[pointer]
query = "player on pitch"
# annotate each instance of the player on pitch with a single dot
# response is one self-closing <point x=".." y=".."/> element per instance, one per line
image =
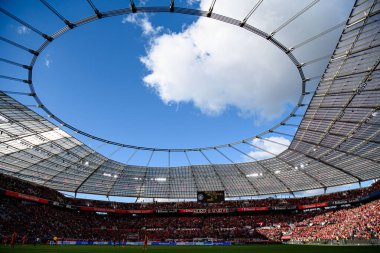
<point x="145" y="247"/>
<point x="13" y="239"/>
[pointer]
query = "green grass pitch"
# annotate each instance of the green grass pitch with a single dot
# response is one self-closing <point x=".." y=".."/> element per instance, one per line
<point x="191" y="249"/>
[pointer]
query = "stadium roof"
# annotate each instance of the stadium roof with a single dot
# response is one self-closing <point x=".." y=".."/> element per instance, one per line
<point x="337" y="141"/>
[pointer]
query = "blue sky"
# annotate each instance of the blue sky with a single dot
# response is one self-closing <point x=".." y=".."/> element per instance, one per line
<point x="168" y="80"/>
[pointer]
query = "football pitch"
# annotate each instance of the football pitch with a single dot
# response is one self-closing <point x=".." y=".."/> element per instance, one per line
<point x="191" y="249"/>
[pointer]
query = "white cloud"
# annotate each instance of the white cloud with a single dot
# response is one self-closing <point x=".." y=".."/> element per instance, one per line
<point x="23" y="30"/>
<point x="142" y="20"/>
<point x="216" y="66"/>
<point x="47" y="61"/>
<point x="143" y="2"/>
<point x="271" y="147"/>
<point x="191" y="2"/>
<point x="213" y="68"/>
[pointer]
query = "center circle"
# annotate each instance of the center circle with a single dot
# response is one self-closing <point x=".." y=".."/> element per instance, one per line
<point x="96" y="76"/>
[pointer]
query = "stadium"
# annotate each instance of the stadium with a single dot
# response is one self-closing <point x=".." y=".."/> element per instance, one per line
<point x="253" y="127"/>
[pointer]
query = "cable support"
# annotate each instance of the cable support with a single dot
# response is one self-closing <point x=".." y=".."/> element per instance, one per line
<point x="14" y="79"/>
<point x="238" y="168"/>
<point x="133" y="6"/>
<point x="264" y="167"/>
<point x="19" y="46"/>
<point x="187" y="157"/>
<point x="337" y="146"/>
<point x="286" y="162"/>
<point x="145" y="173"/>
<point x="314" y="78"/>
<point x="92" y="5"/>
<point x="68" y="23"/>
<point x="211" y="8"/>
<point x="15" y="63"/>
<point x="285" y="134"/>
<point x="81" y="159"/>
<point x="317" y="60"/>
<point x="171" y="7"/>
<point x="319" y="35"/>
<point x="94" y="171"/>
<point x="291" y="125"/>
<point x="242" y="23"/>
<point x="294" y="17"/>
<point x="97" y="12"/>
<point x="26" y="24"/>
<point x="49" y="158"/>
<point x="191" y="169"/>
<point x="131" y="156"/>
<point x="329" y="164"/>
<point x="313" y="158"/>
<point x="215" y="171"/>
<point x="115" y="178"/>
<point x="16" y="137"/>
<point x="169" y="158"/>
<point x="150" y="158"/>
<point x="115" y="151"/>
<point x="16" y="93"/>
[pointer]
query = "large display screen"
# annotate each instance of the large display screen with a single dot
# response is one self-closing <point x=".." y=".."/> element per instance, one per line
<point x="210" y="196"/>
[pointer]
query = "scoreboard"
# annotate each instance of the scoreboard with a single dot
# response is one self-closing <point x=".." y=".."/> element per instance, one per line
<point x="210" y="196"/>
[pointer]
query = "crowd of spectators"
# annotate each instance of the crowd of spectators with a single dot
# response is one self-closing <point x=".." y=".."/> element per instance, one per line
<point x="362" y="222"/>
<point x="24" y="187"/>
<point x="14" y="184"/>
<point x="46" y="221"/>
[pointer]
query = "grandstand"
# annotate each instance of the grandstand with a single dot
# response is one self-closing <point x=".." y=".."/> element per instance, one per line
<point x="336" y="144"/>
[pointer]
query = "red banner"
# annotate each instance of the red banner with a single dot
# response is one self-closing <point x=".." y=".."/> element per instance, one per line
<point x="109" y="210"/>
<point x="186" y="210"/>
<point x="104" y="210"/>
<point x="253" y="209"/>
<point x="204" y="210"/>
<point x="316" y="205"/>
<point x="26" y="197"/>
<point x="140" y="211"/>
